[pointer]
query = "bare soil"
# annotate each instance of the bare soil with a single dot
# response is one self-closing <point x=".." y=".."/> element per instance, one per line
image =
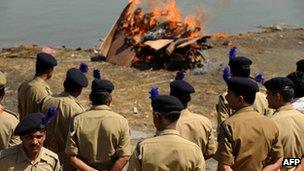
<point x="273" y="52"/>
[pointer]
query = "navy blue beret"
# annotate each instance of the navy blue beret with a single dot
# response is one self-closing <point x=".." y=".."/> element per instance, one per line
<point x="242" y="85"/>
<point x="166" y="104"/>
<point x="99" y="85"/>
<point x="279" y="83"/>
<point x="300" y="65"/>
<point x="45" y="59"/>
<point x="240" y="61"/>
<point x="31" y="123"/>
<point x="180" y="87"/>
<point x="75" y="77"/>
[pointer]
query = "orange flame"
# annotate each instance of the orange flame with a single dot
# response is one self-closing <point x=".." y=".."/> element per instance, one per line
<point x="134" y="1"/>
<point x="220" y="36"/>
<point x="171" y="12"/>
<point x="138" y="22"/>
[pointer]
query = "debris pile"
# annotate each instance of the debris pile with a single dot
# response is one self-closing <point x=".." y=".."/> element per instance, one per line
<point x="156" y="39"/>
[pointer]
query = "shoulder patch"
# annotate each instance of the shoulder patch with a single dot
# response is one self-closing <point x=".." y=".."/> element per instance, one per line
<point x="50" y="153"/>
<point x="12" y="113"/>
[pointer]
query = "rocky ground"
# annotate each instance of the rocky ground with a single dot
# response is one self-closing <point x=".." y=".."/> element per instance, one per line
<point x="273" y="51"/>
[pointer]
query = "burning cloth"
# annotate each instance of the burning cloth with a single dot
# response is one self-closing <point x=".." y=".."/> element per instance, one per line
<point x="158" y="38"/>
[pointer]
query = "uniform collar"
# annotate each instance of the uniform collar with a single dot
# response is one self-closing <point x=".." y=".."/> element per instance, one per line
<point x="284" y="108"/>
<point x="21" y="156"/>
<point x="66" y="94"/>
<point x="167" y="132"/>
<point x="101" y="107"/>
<point x="185" y="112"/>
<point x="38" y="79"/>
<point x="244" y="110"/>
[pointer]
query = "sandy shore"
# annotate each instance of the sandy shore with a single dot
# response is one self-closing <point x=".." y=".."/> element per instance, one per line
<point x="273" y="52"/>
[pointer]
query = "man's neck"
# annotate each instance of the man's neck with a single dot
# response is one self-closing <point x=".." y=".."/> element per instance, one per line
<point x="31" y="156"/>
<point x="43" y="77"/>
<point x="283" y="104"/>
<point x="243" y="106"/>
<point x="170" y="126"/>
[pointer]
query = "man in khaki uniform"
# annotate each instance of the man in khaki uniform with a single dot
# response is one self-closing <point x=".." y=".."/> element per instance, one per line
<point x="240" y="67"/>
<point x="31" y="93"/>
<point x="298" y="100"/>
<point x="247" y="140"/>
<point x="280" y="91"/>
<point x="30" y="155"/>
<point x="67" y="106"/>
<point x="193" y="127"/>
<point x="8" y="121"/>
<point x="167" y="150"/>
<point x="99" y="138"/>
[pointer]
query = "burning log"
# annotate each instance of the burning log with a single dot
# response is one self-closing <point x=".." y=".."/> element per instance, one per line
<point x="156" y="39"/>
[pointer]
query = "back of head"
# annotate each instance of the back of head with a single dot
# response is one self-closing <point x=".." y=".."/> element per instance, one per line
<point x="168" y="107"/>
<point x="240" y="66"/>
<point x="298" y="79"/>
<point x="282" y="85"/>
<point x="75" y="80"/>
<point x="300" y="65"/>
<point x="245" y="87"/>
<point x="182" y="90"/>
<point x="101" y="91"/>
<point x="44" y="62"/>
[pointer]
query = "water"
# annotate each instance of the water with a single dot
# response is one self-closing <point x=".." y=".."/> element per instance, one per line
<point x="79" y="23"/>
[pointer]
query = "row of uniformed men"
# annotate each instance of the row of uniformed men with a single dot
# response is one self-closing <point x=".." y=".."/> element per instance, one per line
<point x="101" y="126"/>
<point x="248" y="141"/>
<point x="98" y="138"/>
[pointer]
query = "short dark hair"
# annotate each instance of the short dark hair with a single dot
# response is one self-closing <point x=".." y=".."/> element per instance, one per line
<point x="71" y="87"/>
<point x="41" y="69"/>
<point x="100" y="98"/>
<point x="287" y="94"/>
<point x="171" y="117"/>
<point x="241" y="71"/>
<point x="298" y="79"/>
<point x="249" y="97"/>
<point x="185" y="99"/>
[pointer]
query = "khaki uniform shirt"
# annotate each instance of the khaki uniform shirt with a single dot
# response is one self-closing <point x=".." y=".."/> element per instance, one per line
<point x="167" y="151"/>
<point x="197" y="129"/>
<point x="260" y="105"/>
<point x="99" y="136"/>
<point x="291" y="126"/>
<point x="67" y="107"/>
<point x="30" y="95"/>
<point x="14" y="158"/>
<point x="8" y="123"/>
<point x="249" y="141"/>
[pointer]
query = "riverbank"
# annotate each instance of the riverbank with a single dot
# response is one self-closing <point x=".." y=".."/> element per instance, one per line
<point x="273" y="51"/>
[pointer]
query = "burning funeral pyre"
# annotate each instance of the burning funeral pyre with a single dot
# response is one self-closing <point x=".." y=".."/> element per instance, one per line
<point x="155" y="39"/>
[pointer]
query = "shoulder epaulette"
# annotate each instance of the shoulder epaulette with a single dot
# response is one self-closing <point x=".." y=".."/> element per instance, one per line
<point x="50" y="153"/>
<point x="12" y="113"/>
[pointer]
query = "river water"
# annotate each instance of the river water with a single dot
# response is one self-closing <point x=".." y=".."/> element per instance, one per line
<point x="81" y="23"/>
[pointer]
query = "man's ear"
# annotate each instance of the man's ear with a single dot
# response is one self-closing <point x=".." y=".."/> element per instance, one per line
<point x="241" y="99"/>
<point x="278" y="96"/>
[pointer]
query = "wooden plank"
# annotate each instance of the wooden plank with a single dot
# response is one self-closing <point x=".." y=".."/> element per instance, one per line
<point x="189" y="42"/>
<point x="120" y="53"/>
<point x="107" y="41"/>
<point x="158" y="44"/>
